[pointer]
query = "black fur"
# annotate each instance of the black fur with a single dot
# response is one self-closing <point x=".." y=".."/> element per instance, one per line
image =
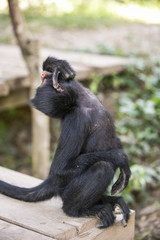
<point x="88" y="151"/>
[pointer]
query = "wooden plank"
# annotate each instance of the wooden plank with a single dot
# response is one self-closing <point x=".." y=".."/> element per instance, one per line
<point x="115" y="232"/>
<point x="11" y="55"/>
<point x="36" y="217"/>
<point x="99" y="63"/>
<point x="16" y="79"/>
<point x="4" y="88"/>
<point x="48" y="218"/>
<point x="19" y="70"/>
<point x="12" y="232"/>
<point x="13" y="71"/>
<point x="45" y="217"/>
<point x="82" y="72"/>
<point x="92" y="60"/>
<point x="18" y="178"/>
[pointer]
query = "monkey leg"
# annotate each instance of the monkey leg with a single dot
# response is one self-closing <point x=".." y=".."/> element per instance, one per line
<point x="117" y="158"/>
<point x="82" y="195"/>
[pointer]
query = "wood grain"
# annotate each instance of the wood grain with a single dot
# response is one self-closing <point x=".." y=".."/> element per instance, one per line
<point x="48" y="219"/>
<point x="44" y="217"/>
<point x="12" y="232"/>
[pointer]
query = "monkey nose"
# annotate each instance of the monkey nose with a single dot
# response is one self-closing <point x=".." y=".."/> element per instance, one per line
<point x="43" y="75"/>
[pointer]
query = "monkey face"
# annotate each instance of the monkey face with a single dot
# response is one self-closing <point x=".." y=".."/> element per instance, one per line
<point x="55" y="96"/>
<point x="46" y="96"/>
<point x="44" y="78"/>
<point x="54" y="102"/>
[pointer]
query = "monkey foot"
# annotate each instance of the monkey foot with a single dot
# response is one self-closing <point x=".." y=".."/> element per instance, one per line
<point x="106" y="216"/>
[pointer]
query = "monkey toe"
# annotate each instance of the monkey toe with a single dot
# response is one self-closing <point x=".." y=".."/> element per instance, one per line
<point x="106" y="216"/>
<point x="125" y="212"/>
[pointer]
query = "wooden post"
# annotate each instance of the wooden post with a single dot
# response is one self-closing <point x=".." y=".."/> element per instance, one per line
<point x="40" y="123"/>
<point x="40" y="143"/>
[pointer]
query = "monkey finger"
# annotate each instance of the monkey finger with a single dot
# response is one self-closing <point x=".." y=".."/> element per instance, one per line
<point x="71" y="72"/>
<point x="122" y="181"/>
<point x="124" y="211"/>
<point x="67" y="71"/>
<point x="55" y="78"/>
<point x="119" y="185"/>
<point x="127" y="174"/>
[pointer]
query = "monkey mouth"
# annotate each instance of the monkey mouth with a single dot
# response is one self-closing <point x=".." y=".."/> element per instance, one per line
<point x="43" y="75"/>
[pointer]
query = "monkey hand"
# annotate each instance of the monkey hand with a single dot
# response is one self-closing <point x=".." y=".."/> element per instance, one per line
<point x="60" y="69"/>
<point x="122" y="180"/>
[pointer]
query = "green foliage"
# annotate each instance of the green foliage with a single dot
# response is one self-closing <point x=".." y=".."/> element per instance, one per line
<point x="82" y="16"/>
<point x="142" y="178"/>
<point x="147" y="235"/>
<point x="153" y="2"/>
<point x="96" y="79"/>
<point x="109" y="50"/>
<point x="74" y="14"/>
<point x="138" y="123"/>
<point x="14" y="138"/>
<point x="139" y="109"/>
<point x="90" y="14"/>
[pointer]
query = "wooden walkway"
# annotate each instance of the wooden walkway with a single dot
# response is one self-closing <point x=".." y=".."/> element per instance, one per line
<point x="46" y="220"/>
<point x="14" y="74"/>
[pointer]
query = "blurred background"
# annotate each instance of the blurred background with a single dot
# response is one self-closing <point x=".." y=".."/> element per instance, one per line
<point x="123" y="28"/>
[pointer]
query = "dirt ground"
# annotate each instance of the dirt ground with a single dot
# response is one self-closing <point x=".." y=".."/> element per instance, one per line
<point x="130" y="38"/>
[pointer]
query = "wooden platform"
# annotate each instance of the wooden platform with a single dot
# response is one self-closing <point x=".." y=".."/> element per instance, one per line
<point x="46" y="220"/>
<point x="14" y="74"/>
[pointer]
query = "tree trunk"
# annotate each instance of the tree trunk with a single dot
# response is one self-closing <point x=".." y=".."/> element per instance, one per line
<point x="40" y="123"/>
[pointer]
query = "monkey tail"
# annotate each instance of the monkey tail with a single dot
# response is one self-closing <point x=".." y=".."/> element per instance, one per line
<point x="41" y="192"/>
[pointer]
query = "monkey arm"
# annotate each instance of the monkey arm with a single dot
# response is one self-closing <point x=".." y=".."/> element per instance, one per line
<point x="71" y="141"/>
<point x="116" y="157"/>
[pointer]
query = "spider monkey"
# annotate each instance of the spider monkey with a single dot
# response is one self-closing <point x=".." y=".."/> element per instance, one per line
<point x="88" y="152"/>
